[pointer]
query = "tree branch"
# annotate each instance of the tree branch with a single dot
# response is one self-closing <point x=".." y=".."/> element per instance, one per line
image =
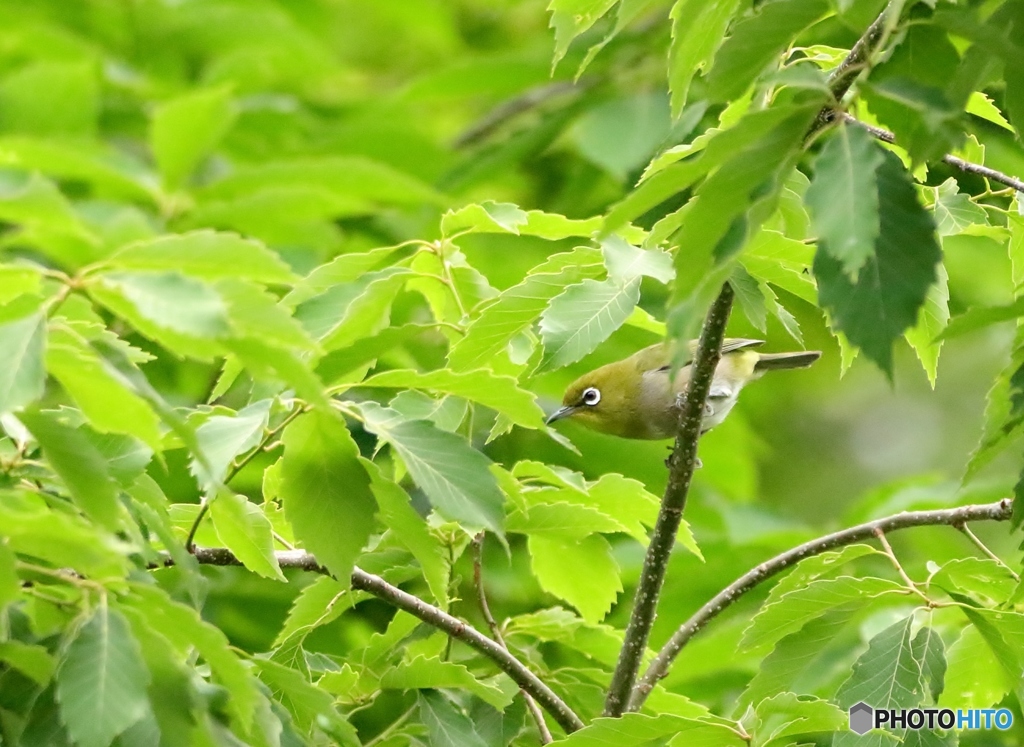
<point x="842" y="77"/>
<point x="485" y="610"/>
<point x="955" y="517"/>
<point x="429" y="614"/>
<point x="681" y="464"/>
<point x="971" y="168"/>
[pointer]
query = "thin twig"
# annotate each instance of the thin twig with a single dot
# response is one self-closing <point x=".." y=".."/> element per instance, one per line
<point x="998" y="511"/>
<point x="429" y="614"/>
<point x="971" y="168"/>
<point x="681" y="465"/>
<point x="485" y="610"/>
<point x="891" y="554"/>
<point x="966" y="530"/>
<point x="512" y="108"/>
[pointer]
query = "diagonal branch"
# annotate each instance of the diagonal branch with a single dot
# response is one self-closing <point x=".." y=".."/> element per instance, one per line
<point x="955" y="517"/>
<point x="681" y="465"/>
<point x="971" y="168"/>
<point x="429" y="614"/>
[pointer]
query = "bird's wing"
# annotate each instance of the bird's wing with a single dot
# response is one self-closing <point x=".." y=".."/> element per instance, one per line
<point x="729" y="345"/>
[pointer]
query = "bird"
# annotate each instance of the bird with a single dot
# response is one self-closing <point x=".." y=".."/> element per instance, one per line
<point x="636" y="398"/>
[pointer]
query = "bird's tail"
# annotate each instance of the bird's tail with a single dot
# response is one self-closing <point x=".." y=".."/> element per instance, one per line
<point x="772" y="361"/>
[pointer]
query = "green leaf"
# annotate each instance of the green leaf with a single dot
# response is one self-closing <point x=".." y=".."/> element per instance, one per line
<point x="326" y="492"/>
<point x="222" y="438"/>
<point x="801" y="605"/>
<point x="697" y="31"/>
<point x="980" y="317"/>
<point x="105" y="398"/>
<point x="455" y="477"/>
<point x="771" y="257"/>
<point x="517" y="308"/>
<point x="500" y="393"/>
<point x="320" y="603"/>
<point x="187" y="631"/>
<point x="887" y="675"/>
<point x="400" y="517"/>
<point x="1004" y="633"/>
<point x="784" y="716"/>
<point x="17" y="281"/>
<point x="185" y="130"/>
<point x="843" y="196"/>
<point x="892" y="286"/>
<point x="446" y="724"/>
<point x="954" y="211"/>
<point x="22" y="377"/>
<point x="973" y="678"/>
<point x="570" y="18"/>
<point x="626" y="262"/>
<point x="756" y="41"/>
<point x="51" y="97"/>
<point x="346" y="313"/>
<point x="255" y="312"/>
<point x="446" y="412"/>
<point x="931" y="652"/>
<point x="556" y="564"/>
<point x="422" y="673"/>
<point x="824" y="565"/>
<point x="931" y="323"/>
<point x="102" y="680"/>
<point x="10" y="584"/>
<point x="487" y="217"/>
<point x="311" y="708"/>
<point x="640" y="729"/>
<point x="31" y="660"/>
<point x="206" y="255"/>
<point x="164" y="301"/>
<point x="279" y="364"/>
<point x="584" y="316"/>
<point x="79" y="464"/>
<point x="245" y="530"/>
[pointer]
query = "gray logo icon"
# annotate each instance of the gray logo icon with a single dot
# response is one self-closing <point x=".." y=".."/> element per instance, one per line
<point x="861" y="718"/>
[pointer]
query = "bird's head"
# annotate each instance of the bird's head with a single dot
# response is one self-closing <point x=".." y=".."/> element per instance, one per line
<point x="604" y="399"/>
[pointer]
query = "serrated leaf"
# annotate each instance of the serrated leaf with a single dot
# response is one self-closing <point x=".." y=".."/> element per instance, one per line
<point x="697" y="31"/>
<point x="518" y="307"/>
<point x="843" y="196"/>
<point x="446" y="412"/>
<point x="184" y="130"/>
<point x="311" y="708"/>
<point x="245" y="530"/>
<point x="187" y="631"/>
<point x="400" y="517"/>
<point x="626" y="262"/>
<point x="954" y="211"/>
<point x="582" y="317"/>
<point x="570" y="18"/>
<point x="280" y="364"/>
<point x="446" y="724"/>
<point x="23" y="376"/>
<point x="455" y="477"/>
<point x="786" y="715"/>
<point x="105" y="398"/>
<point x="326" y="492"/>
<point x="772" y="257"/>
<point x="930" y="324"/>
<point x="892" y="286"/>
<point x="166" y="300"/>
<point x="346" y="313"/>
<point x="222" y="438"/>
<point x="101" y="683"/>
<point x="79" y="464"/>
<point x="320" y="603"/>
<point x="31" y="660"/>
<point x="206" y="255"/>
<point x="757" y="40"/>
<point x="979" y="317"/>
<point x="422" y="673"/>
<point x="801" y="605"/>
<point x="555" y="563"/>
<point x="500" y="393"/>
<point x="486" y="217"/>
<point x="973" y="678"/>
<point x="640" y="729"/>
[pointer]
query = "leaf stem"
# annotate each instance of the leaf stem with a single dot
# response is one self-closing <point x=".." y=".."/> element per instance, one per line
<point x="681" y="465"/>
<point x="485" y="610"/>
<point x="998" y="511"/>
<point x="966" y="530"/>
<point x="890" y="553"/>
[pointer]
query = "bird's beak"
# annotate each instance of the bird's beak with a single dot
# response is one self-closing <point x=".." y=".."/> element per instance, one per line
<point x="561" y="412"/>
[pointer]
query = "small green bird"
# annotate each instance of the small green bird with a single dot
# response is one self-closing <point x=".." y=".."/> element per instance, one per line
<point x="634" y="398"/>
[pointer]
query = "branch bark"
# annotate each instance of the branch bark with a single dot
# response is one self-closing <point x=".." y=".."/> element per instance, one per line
<point x="681" y="464"/>
<point x="971" y="168"/>
<point x="429" y="614"/>
<point x="955" y="517"/>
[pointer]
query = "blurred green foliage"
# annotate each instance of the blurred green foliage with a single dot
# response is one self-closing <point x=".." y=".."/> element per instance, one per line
<point x="195" y="200"/>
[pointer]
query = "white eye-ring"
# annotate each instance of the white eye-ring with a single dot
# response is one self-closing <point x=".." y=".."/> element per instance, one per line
<point x="591" y="396"/>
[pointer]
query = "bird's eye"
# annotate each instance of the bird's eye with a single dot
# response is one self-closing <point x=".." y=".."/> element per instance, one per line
<point x="591" y="396"/>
